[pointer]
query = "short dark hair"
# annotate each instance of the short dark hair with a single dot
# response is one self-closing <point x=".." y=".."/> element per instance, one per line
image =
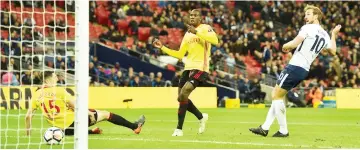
<point x="47" y="74"/>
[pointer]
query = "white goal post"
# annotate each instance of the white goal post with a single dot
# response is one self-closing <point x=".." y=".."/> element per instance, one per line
<point x="31" y="44"/>
<point x="81" y="73"/>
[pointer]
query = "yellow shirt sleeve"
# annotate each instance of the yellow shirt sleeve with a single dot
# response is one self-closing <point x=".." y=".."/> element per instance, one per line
<point x="177" y="54"/>
<point x="207" y="33"/>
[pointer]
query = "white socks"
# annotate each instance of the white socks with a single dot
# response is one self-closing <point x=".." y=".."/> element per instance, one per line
<point x="269" y="118"/>
<point x="280" y="113"/>
<point x="277" y="110"/>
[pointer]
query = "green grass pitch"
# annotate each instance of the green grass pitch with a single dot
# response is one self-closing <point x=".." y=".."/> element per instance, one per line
<point x="226" y="128"/>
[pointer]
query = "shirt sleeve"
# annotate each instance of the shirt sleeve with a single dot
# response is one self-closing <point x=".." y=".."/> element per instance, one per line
<point x="304" y="31"/>
<point x="177" y="54"/>
<point x="207" y="33"/>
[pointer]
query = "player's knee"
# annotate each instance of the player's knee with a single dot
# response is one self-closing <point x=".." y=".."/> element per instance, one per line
<point x="274" y="97"/>
<point x="278" y="93"/>
<point x="103" y="115"/>
<point x="182" y="97"/>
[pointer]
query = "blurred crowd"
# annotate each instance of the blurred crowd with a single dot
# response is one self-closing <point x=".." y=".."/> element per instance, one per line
<point x="114" y="75"/>
<point x="27" y="34"/>
<point x="257" y="29"/>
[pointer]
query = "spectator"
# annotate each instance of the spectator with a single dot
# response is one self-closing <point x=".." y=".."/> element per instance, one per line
<point x="141" y="47"/>
<point x="315" y="96"/>
<point x="243" y="86"/>
<point x="139" y="10"/>
<point x="113" y="16"/>
<point x="37" y="78"/>
<point x="117" y="66"/>
<point x="121" y="13"/>
<point x="71" y="63"/>
<point x="111" y="84"/>
<point x="216" y="57"/>
<point x="113" y="74"/>
<point x="163" y="32"/>
<point x="26" y="78"/>
<point x="151" y="79"/>
<point x="126" y="82"/>
<point x="144" y="23"/>
<point x="158" y="82"/>
<point x="222" y="80"/>
<point x="92" y="16"/>
<point x="275" y="72"/>
<point x="101" y="74"/>
<point x="59" y="61"/>
<point x="9" y="78"/>
<point x="135" y="82"/>
<point x="143" y="79"/>
<point x="239" y="60"/>
<point x="255" y="91"/>
<point x="63" y="66"/>
<point x="122" y="37"/>
<point x="107" y="70"/>
<point x="95" y="61"/>
<point x="153" y="30"/>
<point x="120" y="80"/>
<point x="93" y="72"/>
<point x="13" y="65"/>
<point x="116" y="37"/>
<point x="159" y="75"/>
<point x="61" y="80"/>
<point x="230" y="60"/>
<point x="175" y="81"/>
<point x="267" y="52"/>
<point x="4" y="63"/>
<point x="133" y="26"/>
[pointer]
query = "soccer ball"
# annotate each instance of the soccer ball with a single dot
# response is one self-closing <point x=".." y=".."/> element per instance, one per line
<point x="53" y="135"/>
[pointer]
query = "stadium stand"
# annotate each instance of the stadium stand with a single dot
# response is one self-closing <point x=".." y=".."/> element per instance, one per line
<point x="251" y="38"/>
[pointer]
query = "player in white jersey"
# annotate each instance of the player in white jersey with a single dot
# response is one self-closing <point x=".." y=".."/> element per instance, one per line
<point x="309" y="42"/>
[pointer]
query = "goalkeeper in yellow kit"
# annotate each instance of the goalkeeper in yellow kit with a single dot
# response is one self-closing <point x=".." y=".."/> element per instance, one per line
<point x="197" y="43"/>
<point x="57" y="106"/>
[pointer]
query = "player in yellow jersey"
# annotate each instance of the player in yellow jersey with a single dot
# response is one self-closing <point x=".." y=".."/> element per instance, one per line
<point x="197" y="43"/>
<point x="57" y="106"/>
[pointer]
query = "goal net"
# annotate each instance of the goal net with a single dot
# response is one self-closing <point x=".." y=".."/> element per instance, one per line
<point x="38" y="36"/>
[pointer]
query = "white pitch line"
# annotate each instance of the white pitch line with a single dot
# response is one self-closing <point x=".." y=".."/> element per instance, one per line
<point x="207" y="142"/>
<point x="180" y="141"/>
<point x="43" y="144"/>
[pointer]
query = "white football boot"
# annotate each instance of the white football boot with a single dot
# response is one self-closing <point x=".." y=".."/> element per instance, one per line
<point x="177" y="132"/>
<point x="203" y="123"/>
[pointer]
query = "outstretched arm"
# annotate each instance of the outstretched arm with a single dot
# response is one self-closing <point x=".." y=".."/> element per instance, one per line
<point x="177" y="54"/>
<point x="28" y="118"/>
<point x="30" y="113"/>
<point x="332" y="48"/>
<point x="293" y="43"/>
